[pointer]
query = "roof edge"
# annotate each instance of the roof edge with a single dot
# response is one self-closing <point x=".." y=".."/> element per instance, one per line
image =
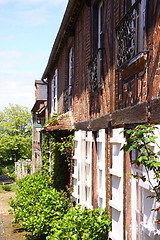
<point x="73" y="5"/>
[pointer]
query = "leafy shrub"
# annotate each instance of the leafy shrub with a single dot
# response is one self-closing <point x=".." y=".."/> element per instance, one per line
<point x="83" y="224"/>
<point x="6" y="187"/>
<point x="48" y="214"/>
<point x="3" y="171"/>
<point x="37" y="204"/>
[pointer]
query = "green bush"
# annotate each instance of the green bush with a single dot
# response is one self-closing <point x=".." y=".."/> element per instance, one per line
<point x="37" y="205"/>
<point x="48" y="214"/>
<point x="6" y="187"/>
<point x="83" y="224"/>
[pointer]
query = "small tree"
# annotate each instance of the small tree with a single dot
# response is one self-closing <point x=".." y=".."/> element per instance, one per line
<point x="15" y="134"/>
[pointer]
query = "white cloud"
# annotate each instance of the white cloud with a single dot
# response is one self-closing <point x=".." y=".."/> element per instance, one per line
<point x="31" y="12"/>
<point x="17" y="88"/>
<point x="9" y="59"/>
<point x="34" y="17"/>
<point x="24" y="50"/>
<point x="8" y="37"/>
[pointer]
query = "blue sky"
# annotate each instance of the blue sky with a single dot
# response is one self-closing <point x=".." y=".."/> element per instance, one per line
<point x="28" y="30"/>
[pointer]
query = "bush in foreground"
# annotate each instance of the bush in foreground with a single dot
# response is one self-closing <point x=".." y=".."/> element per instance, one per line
<point x="83" y="224"/>
<point x="48" y="214"/>
<point x="37" y="204"/>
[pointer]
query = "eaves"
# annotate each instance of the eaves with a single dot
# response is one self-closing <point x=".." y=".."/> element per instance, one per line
<point x="67" y="26"/>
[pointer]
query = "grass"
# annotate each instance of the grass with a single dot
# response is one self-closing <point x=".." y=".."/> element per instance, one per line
<point x="12" y="187"/>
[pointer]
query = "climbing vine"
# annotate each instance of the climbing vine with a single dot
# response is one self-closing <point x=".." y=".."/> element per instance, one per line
<point x="57" y="150"/>
<point x="141" y="139"/>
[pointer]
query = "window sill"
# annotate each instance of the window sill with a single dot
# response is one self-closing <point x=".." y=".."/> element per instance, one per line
<point x="115" y="173"/>
<point x="118" y="140"/>
<point x="134" y="66"/>
<point x="113" y="236"/>
<point x="144" y="185"/>
<point x="115" y="206"/>
<point x="152" y="233"/>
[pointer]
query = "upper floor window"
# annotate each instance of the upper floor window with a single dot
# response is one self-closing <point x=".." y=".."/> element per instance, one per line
<point x="100" y="25"/>
<point x="68" y="90"/>
<point x="96" y="64"/>
<point x="70" y="67"/>
<point x="54" y="92"/>
<point x="130" y="32"/>
<point x="128" y="4"/>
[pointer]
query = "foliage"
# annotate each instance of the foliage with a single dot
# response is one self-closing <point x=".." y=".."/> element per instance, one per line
<point x="8" y="170"/>
<point x="12" y="187"/>
<point x="52" y="120"/>
<point x="6" y="188"/>
<point x="65" y="146"/>
<point x="57" y="151"/>
<point x="44" y="211"/>
<point x="15" y="134"/>
<point x="37" y="205"/>
<point x="48" y="214"/>
<point x="141" y="139"/>
<point x="83" y="224"/>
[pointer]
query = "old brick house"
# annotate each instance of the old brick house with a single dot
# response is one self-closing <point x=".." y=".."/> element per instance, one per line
<point x="103" y="75"/>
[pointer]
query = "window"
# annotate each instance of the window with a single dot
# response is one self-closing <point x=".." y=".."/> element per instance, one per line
<point x="100" y="25"/>
<point x="116" y="171"/>
<point x="82" y="175"/>
<point x="70" y="67"/>
<point x="143" y="218"/>
<point x="130" y="32"/>
<point x="101" y="191"/>
<point x="88" y="169"/>
<point x="128" y="4"/>
<point x="68" y="90"/>
<point x="54" y="92"/>
<point x="96" y="64"/>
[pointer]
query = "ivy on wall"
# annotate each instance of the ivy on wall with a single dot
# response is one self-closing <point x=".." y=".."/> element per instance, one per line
<point x="57" y="150"/>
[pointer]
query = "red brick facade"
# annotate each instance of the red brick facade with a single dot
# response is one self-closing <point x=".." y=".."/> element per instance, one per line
<point x="108" y="91"/>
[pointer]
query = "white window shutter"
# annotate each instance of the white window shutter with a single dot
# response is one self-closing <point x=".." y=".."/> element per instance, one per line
<point x="116" y="171"/>
<point x="54" y="93"/>
<point x="82" y="176"/>
<point x="101" y="171"/>
<point x="77" y="161"/>
<point x="88" y="170"/>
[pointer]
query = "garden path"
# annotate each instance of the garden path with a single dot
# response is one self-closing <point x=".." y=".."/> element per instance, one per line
<point x="7" y="231"/>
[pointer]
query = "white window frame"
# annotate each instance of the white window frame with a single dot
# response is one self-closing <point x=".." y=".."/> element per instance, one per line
<point x="54" y="90"/>
<point x="116" y="203"/>
<point x="101" y="168"/>
<point x="70" y="67"/>
<point x="82" y="176"/>
<point x="146" y="228"/>
<point x="70" y="77"/>
<point x="88" y="170"/>
<point x="100" y="27"/>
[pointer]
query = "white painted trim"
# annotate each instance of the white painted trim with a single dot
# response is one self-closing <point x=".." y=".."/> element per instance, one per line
<point x="116" y="171"/>
<point x="83" y="156"/>
<point x="101" y="168"/>
<point x="54" y="85"/>
<point x="147" y="225"/>
<point x="116" y="206"/>
<point x="100" y="31"/>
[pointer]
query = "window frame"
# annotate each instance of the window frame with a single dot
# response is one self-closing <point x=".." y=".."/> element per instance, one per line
<point x="126" y="55"/>
<point x="101" y="168"/>
<point x="54" y="93"/>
